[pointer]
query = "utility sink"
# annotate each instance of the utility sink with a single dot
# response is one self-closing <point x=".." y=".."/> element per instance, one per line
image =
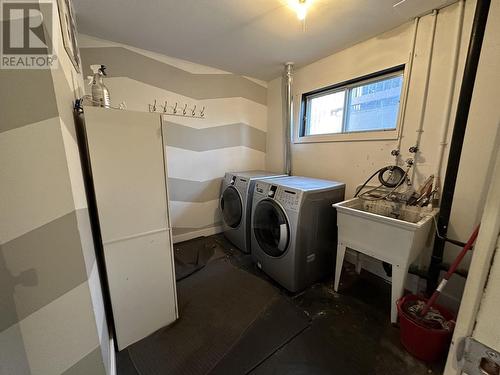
<point x="389" y="231"/>
<point x="391" y="213"/>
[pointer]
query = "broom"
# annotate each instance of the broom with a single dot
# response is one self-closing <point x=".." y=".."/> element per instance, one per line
<point x="450" y="272"/>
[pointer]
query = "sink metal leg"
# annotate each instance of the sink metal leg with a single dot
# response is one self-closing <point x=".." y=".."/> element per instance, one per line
<point x="399" y="272"/>
<point x="338" y="266"/>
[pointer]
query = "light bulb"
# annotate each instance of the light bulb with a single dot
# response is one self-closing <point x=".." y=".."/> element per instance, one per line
<point x="301" y="12"/>
<point x="300" y="7"/>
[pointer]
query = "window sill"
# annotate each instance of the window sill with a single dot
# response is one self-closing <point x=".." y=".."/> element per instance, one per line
<point x="388" y="135"/>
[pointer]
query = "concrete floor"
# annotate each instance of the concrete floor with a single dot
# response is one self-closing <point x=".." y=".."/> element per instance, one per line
<point x="350" y="331"/>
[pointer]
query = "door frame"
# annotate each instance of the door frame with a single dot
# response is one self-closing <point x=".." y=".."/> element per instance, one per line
<point x="483" y="253"/>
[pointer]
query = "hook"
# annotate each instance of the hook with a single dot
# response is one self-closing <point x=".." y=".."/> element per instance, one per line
<point x="184" y="110"/>
<point x="193" y="111"/>
<point x="154" y="106"/>
<point x="165" y="107"/>
<point x="175" y="108"/>
<point x="202" y="112"/>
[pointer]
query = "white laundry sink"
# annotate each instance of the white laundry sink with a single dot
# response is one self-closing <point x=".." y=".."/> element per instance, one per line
<point x="388" y="231"/>
<point x="390" y="213"/>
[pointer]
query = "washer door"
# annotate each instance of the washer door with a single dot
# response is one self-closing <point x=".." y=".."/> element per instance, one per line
<point x="231" y="207"/>
<point x="271" y="228"/>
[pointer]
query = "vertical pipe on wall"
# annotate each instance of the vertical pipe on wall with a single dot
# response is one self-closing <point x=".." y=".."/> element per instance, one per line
<point x="457" y="139"/>
<point x="423" y="110"/>
<point x="288" y="115"/>
<point x="449" y="102"/>
<point x="406" y="90"/>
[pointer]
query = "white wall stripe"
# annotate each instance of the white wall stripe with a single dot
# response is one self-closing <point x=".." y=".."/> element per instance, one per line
<point x="197" y="215"/>
<point x="197" y="233"/>
<point x="61" y="333"/>
<point x="207" y="165"/>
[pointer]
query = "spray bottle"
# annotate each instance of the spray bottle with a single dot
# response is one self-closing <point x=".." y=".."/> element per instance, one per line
<point x="100" y="93"/>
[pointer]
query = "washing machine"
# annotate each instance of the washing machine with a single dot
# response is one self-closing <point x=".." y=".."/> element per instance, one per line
<point x="294" y="229"/>
<point x="236" y="204"/>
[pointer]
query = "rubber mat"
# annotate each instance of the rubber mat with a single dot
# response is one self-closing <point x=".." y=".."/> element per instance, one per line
<point x="217" y="305"/>
<point x="191" y="256"/>
<point x="274" y="328"/>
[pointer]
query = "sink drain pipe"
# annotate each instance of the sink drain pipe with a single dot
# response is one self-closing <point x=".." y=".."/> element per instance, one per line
<point x="288" y="116"/>
<point x="457" y="139"/>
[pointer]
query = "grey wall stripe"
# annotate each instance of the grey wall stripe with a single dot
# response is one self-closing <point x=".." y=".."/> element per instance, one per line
<point x="193" y="191"/>
<point x="26" y="96"/>
<point x="215" y="137"/>
<point x="91" y="364"/>
<point x="50" y="264"/>
<point x="122" y="62"/>
<point x="176" y="231"/>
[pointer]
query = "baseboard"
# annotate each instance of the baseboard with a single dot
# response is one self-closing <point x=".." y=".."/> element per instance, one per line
<point x="197" y="233"/>
<point x="112" y="356"/>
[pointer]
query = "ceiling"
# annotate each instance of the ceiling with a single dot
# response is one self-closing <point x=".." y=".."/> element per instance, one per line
<point x="248" y="37"/>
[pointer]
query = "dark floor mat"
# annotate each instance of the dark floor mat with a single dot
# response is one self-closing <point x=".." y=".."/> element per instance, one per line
<point x="346" y="337"/>
<point x="124" y="365"/>
<point x="275" y="327"/>
<point x="191" y="256"/>
<point x="216" y="306"/>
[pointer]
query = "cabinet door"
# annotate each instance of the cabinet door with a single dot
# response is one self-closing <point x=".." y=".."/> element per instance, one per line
<point x="128" y="167"/>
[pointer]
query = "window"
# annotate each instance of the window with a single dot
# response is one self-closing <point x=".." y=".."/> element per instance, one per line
<point x="368" y="104"/>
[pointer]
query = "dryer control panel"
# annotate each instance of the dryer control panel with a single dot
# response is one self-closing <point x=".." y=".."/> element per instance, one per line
<point x="290" y="199"/>
<point x="261" y="188"/>
<point x="241" y="183"/>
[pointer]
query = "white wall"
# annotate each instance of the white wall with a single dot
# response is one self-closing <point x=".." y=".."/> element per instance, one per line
<point x="353" y="161"/>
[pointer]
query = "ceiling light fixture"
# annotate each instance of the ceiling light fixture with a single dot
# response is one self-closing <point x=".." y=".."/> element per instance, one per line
<point x="300" y="7"/>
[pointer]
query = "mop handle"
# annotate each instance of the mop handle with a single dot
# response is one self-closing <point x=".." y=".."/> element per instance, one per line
<point x="450" y="272"/>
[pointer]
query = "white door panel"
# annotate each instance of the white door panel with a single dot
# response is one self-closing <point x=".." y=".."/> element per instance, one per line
<point x="128" y="167"/>
<point x="140" y="294"/>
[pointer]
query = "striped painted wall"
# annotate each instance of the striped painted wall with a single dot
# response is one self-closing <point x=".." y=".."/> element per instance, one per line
<point x="199" y="152"/>
<point x="51" y="310"/>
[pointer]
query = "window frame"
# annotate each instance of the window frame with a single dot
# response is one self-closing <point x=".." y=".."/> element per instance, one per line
<point x="376" y="134"/>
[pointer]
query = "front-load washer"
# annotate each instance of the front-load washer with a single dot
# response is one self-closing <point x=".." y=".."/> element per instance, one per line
<point x="294" y="229"/>
<point x="236" y="204"/>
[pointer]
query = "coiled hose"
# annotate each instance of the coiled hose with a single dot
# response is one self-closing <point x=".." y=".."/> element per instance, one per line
<point x="387" y="182"/>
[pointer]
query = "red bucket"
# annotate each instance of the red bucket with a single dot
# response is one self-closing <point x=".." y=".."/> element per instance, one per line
<point x="427" y="344"/>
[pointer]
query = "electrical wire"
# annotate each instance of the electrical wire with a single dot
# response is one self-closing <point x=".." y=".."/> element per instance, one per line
<point x="368" y="180"/>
